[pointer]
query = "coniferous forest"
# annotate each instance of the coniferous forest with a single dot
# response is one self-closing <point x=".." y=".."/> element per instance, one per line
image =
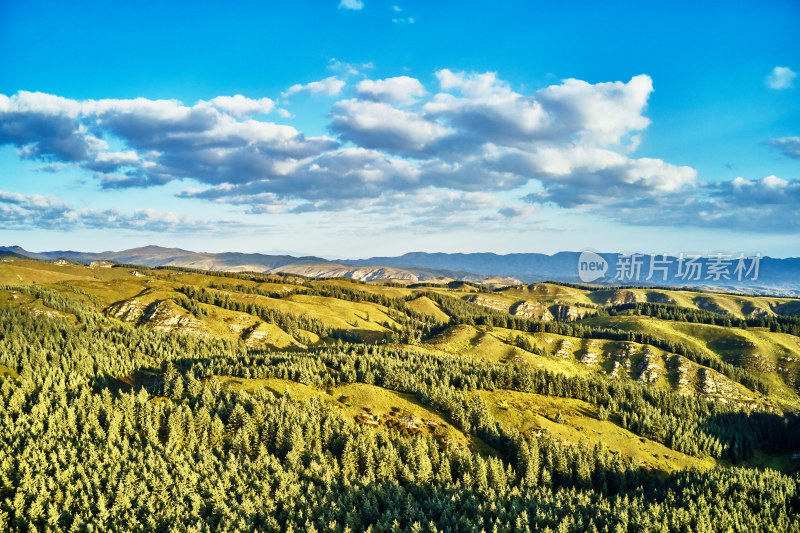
<point x="147" y="400"/>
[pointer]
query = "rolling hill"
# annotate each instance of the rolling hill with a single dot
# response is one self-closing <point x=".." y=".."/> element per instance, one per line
<point x="779" y="277"/>
<point x="527" y="392"/>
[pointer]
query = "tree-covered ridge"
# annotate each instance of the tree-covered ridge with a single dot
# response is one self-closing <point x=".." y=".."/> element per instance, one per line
<point x="74" y="453"/>
<point x="110" y="425"/>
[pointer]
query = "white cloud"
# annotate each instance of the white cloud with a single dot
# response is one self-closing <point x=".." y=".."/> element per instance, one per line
<point x="330" y="86"/>
<point x="351" y="4"/>
<point x="604" y="113"/>
<point x="572" y="142"/>
<point x="239" y="106"/>
<point x="379" y="125"/>
<point x="25" y="211"/>
<point x="348" y="69"/>
<point x="781" y="78"/>
<point x="401" y="89"/>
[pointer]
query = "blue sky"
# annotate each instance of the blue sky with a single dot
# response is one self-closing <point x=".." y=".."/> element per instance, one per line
<point x="401" y="126"/>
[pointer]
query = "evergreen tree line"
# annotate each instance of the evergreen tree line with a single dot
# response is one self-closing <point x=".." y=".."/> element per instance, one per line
<point x="463" y="312"/>
<point x="290" y="323"/>
<point x="691" y="425"/>
<point x="73" y="458"/>
<point x="186" y="455"/>
<point x="777" y="323"/>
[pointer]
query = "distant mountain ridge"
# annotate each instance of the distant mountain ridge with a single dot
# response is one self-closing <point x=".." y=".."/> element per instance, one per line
<point x="776" y="276"/>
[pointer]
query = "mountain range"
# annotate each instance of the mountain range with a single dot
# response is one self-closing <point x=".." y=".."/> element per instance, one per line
<point x="778" y="276"/>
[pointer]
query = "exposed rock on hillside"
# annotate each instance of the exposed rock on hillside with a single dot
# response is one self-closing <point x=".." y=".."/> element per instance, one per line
<point x="256" y="337"/>
<point x="532" y="310"/>
<point x="564" y="349"/>
<point x="709" y="304"/>
<point x="567" y="312"/>
<point x="617" y="370"/>
<point x="126" y="310"/>
<point x="787" y="309"/>
<point x="619" y="297"/>
<point x="749" y="308"/>
<point x="660" y="298"/>
<point x="488" y="302"/>
<point x="591" y="354"/>
<point x="165" y="315"/>
<point x="713" y="384"/>
<point x="649" y="368"/>
<point x="684" y="374"/>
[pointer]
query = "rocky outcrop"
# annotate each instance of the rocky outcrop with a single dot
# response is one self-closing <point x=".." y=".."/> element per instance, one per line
<point x="707" y="303"/>
<point x="590" y="358"/>
<point x="617" y="370"/>
<point x="165" y="315"/>
<point x="660" y="298"/>
<point x="591" y="355"/>
<point x="532" y="310"/>
<point x="649" y="368"/>
<point x="749" y="309"/>
<point x="256" y="337"/>
<point x="713" y="384"/>
<point x="126" y="310"/>
<point x="619" y="297"/>
<point x="565" y="349"/>
<point x="485" y="301"/>
<point x="683" y="374"/>
<point x="101" y="264"/>
<point x="567" y="312"/>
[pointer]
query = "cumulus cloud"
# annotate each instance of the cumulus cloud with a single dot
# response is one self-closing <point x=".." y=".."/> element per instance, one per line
<point x="165" y="140"/>
<point x="402" y="90"/>
<point x="330" y="86"/>
<point x="26" y="211"/>
<point x="781" y="78"/>
<point x="789" y="146"/>
<point x="395" y="143"/>
<point x="240" y="106"/>
<point x="351" y="4"/>
<point x="756" y="205"/>
<point x="381" y="126"/>
<point x="603" y="113"/>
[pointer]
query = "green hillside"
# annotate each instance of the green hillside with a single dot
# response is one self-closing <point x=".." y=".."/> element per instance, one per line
<point x="351" y="394"/>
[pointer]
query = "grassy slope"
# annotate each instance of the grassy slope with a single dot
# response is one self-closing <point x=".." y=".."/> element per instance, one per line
<point x="775" y="356"/>
<point x="528" y="412"/>
<point x="356" y="399"/>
